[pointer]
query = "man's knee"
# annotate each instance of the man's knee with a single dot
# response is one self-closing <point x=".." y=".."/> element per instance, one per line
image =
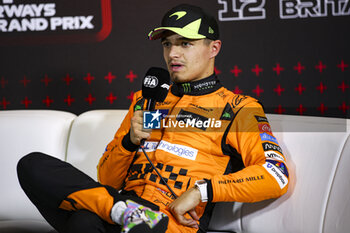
<point x="31" y="168"/>
<point x="28" y="163"/>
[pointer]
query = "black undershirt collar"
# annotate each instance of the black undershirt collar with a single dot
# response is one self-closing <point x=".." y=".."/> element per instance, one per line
<point x="200" y="87"/>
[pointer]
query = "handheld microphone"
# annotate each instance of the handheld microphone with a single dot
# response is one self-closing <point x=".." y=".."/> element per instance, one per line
<point x="155" y="86"/>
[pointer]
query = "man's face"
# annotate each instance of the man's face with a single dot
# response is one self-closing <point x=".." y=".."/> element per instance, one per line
<point x="187" y="60"/>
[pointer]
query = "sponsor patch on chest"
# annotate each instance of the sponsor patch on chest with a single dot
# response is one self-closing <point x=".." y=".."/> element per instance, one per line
<point x="178" y="150"/>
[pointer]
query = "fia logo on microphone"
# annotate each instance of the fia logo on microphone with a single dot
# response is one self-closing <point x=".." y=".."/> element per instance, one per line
<point x="152" y="119"/>
<point x="150" y="81"/>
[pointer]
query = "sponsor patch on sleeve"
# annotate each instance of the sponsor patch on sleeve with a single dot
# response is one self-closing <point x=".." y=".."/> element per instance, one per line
<point x="264" y="128"/>
<point x="269" y="146"/>
<point x="261" y="119"/>
<point x="273" y="155"/>
<point x="280" y="165"/>
<point x="281" y="179"/>
<point x="268" y="137"/>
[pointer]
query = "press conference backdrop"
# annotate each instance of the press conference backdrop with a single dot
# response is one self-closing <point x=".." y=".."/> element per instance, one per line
<point x="292" y="55"/>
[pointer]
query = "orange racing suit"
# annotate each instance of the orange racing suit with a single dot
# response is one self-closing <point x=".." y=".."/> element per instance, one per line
<point x="223" y="138"/>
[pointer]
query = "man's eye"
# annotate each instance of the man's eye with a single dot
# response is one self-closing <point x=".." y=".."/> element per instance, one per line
<point x="166" y="44"/>
<point x="186" y="44"/>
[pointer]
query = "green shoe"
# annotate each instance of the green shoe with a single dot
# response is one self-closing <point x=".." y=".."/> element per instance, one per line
<point x="137" y="218"/>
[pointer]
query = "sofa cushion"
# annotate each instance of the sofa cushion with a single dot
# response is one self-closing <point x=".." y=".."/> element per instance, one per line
<point x="90" y="134"/>
<point x="313" y="147"/>
<point x="337" y="216"/>
<point x="25" y="226"/>
<point x="23" y="132"/>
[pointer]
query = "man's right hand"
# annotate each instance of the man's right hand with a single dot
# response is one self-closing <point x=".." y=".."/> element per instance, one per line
<point x="137" y="132"/>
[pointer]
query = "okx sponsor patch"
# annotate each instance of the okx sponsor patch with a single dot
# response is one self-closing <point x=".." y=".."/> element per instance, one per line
<point x="268" y="137"/>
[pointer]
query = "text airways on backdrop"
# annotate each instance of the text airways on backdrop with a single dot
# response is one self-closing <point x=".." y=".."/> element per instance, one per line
<point x="39" y="17"/>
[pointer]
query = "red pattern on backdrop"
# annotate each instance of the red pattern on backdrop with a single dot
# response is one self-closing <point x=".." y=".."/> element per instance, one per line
<point x="131" y="76"/>
<point x="46" y="80"/>
<point x="320" y="67"/>
<point x="3" y="82"/>
<point x="278" y="69"/>
<point x="236" y="71"/>
<point x="217" y="71"/>
<point x="237" y="90"/>
<point x="300" y="89"/>
<point x="69" y="100"/>
<point x="48" y="101"/>
<point x="322" y="87"/>
<point x="279" y="90"/>
<point x="258" y="91"/>
<point x="90" y="99"/>
<point x="342" y="66"/>
<point x="343" y="86"/>
<point x="4" y="103"/>
<point x="299" y="68"/>
<point x="25" y="81"/>
<point x="89" y="78"/>
<point x="257" y="70"/>
<point x="131" y="96"/>
<point x="67" y="79"/>
<point x="111" y="98"/>
<point x="26" y="102"/>
<point x="110" y="77"/>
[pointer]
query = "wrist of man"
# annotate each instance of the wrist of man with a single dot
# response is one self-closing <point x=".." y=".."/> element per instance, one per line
<point x="202" y="187"/>
<point x="128" y="144"/>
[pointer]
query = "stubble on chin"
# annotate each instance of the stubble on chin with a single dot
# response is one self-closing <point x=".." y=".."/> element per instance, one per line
<point x="176" y="78"/>
<point x="173" y="76"/>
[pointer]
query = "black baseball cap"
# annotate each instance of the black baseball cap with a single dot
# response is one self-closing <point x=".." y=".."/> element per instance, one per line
<point x="188" y="21"/>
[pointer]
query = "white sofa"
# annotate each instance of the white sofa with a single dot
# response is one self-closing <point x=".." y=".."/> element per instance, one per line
<point x="317" y="151"/>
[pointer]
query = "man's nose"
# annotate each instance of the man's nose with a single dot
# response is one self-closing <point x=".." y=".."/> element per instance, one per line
<point x="175" y="51"/>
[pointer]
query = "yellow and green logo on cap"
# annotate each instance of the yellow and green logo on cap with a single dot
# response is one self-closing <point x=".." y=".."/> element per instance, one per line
<point x="188" y="21"/>
<point x="179" y="14"/>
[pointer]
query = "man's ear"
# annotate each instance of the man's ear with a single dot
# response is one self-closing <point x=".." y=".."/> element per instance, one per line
<point x="215" y="47"/>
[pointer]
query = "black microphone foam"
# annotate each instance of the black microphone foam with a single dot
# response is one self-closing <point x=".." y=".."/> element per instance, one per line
<point x="155" y="84"/>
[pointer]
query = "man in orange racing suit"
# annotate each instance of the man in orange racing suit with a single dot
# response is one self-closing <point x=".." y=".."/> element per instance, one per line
<point x="235" y="158"/>
<point x="212" y="146"/>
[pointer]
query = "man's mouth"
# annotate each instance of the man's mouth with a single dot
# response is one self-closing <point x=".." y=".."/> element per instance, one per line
<point x="176" y="66"/>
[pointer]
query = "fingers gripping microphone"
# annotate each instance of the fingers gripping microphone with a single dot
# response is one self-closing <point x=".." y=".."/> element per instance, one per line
<point x="155" y="86"/>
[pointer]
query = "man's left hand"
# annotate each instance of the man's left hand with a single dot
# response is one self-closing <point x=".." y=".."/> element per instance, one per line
<point x="186" y="203"/>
